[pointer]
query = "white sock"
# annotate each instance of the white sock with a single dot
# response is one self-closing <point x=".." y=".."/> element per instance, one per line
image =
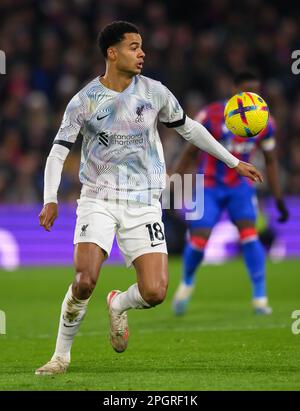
<point x="72" y="313"/>
<point x="260" y="302"/>
<point x="129" y="299"/>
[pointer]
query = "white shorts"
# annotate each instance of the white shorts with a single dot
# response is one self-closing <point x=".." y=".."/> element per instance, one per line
<point x="139" y="228"/>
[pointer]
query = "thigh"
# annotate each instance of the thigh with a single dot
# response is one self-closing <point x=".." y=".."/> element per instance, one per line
<point x="141" y="231"/>
<point x="95" y="224"/>
<point x="211" y="214"/>
<point x="242" y="204"/>
<point x="152" y="271"/>
<point x="200" y="232"/>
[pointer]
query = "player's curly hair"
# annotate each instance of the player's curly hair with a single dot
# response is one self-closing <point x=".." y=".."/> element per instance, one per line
<point x="113" y="33"/>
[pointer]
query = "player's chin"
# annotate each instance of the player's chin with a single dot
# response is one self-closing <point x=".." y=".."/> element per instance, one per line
<point x="133" y="72"/>
<point x="138" y="70"/>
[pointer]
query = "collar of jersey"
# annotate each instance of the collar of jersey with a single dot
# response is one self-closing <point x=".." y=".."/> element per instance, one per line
<point x="109" y="90"/>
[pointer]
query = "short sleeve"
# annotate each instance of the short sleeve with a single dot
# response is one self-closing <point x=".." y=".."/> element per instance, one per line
<point x="171" y="114"/>
<point x="71" y="123"/>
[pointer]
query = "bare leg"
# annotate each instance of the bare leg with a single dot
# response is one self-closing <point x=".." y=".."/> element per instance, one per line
<point x="150" y="290"/>
<point x="151" y="286"/>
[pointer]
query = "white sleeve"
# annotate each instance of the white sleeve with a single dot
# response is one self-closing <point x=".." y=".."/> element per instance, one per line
<point x="53" y="170"/>
<point x="198" y="135"/>
<point x="71" y="124"/>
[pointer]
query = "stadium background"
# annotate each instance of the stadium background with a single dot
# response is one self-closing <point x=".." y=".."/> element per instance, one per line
<point x="194" y="47"/>
<point x="51" y="53"/>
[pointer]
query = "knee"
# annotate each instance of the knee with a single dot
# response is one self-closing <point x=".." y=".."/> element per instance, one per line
<point x="84" y="284"/>
<point x="198" y="240"/>
<point x="155" y="295"/>
<point x="248" y="234"/>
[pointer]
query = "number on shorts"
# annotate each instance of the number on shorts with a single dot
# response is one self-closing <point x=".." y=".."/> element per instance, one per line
<point x="155" y="230"/>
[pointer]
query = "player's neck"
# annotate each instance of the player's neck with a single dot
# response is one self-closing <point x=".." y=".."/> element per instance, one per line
<point x="115" y="80"/>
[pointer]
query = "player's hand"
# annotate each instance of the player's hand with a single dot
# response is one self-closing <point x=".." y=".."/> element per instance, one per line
<point x="48" y="215"/>
<point x="283" y="211"/>
<point x="248" y="170"/>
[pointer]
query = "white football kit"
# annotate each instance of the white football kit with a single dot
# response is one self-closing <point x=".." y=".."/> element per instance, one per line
<point x="122" y="167"/>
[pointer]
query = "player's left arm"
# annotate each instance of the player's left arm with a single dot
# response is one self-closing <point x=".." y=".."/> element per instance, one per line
<point x="272" y="171"/>
<point x="198" y="135"/>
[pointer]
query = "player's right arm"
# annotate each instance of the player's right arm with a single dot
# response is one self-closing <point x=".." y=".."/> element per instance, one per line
<point x="52" y="177"/>
<point x="63" y="142"/>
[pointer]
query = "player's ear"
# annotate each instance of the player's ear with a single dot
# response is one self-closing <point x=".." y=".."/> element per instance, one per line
<point x="112" y="53"/>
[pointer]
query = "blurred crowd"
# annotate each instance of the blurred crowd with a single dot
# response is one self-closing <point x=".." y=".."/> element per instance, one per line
<point x="193" y="47"/>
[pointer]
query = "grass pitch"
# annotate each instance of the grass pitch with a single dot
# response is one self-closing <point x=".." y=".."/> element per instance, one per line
<point x="219" y="345"/>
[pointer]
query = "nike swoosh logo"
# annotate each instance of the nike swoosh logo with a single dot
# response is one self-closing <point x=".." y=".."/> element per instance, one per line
<point x="70" y="326"/>
<point x="100" y="118"/>
<point x="154" y="245"/>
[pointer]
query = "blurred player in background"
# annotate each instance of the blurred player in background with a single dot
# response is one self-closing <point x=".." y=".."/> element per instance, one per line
<point x="122" y="173"/>
<point x="225" y="189"/>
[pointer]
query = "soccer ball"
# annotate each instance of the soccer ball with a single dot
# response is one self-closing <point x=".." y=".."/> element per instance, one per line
<point x="246" y="114"/>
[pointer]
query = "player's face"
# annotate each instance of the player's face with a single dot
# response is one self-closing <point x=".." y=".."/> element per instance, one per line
<point x="253" y="86"/>
<point x="129" y="54"/>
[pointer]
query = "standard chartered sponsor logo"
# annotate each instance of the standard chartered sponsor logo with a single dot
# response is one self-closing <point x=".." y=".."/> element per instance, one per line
<point x="107" y="138"/>
<point x="129" y="139"/>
